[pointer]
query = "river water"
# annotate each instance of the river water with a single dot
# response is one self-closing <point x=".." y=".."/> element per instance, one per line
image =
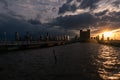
<point x="79" y="61"/>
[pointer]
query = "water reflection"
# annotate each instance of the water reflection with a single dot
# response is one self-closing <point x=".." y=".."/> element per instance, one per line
<point x="108" y="63"/>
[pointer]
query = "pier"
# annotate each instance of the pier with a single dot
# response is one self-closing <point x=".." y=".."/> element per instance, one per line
<point x="22" y="45"/>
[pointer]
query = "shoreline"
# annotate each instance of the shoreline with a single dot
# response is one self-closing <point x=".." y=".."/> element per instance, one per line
<point x="115" y="43"/>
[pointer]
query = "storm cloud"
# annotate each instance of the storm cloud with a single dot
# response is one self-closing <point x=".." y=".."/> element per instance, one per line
<point x="101" y="13"/>
<point x="76" y="21"/>
<point x="10" y="25"/>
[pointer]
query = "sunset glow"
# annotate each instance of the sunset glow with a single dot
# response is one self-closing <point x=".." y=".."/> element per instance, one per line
<point x="113" y="34"/>
<point x="107" y="34"/>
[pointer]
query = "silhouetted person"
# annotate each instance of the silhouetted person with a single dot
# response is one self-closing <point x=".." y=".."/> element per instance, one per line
<point x="55" y="57"/>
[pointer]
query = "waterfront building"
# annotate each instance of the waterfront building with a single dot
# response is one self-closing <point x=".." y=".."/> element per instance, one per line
<point x="85" y="35"/>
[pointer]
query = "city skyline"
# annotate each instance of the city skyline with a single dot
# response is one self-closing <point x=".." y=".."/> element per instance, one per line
<point x="61" y="16"/>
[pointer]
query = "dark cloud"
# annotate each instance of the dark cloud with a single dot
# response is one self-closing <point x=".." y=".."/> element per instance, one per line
<point x="101" y="13"/>
<point x="84" y="4"/>
<point x="110" y="21"/>
<point x="103" y="19"/>
<point x="34" y="22"/>
<point x="89" y="4"/>
<point x="89" y="14"/>
<point x="117" y="3"/>
<point x="76" y="21"/>
<point x="115" y="14"/>
<point x="10" y="12"/>
<point x="67" y="7"/>
<point x="112" y="17"/>
<point x="5" y="3"/>
<point x="68" y="1"/>
<point x="10" y="25"/>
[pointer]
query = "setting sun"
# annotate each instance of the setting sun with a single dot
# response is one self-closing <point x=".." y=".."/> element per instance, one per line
<point x="107" y="34"/>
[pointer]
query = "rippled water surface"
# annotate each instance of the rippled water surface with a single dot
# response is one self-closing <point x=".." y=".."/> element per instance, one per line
<point x="79" y="61"/>
<point x="108" y="62"/>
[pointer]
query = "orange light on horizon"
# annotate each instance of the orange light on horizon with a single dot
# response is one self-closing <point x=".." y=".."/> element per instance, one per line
<point x="108" y="34"/>
<point x="113" y="34"/>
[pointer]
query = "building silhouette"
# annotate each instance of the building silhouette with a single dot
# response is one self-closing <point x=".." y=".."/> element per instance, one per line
<point x="85" y="35"/>
<point x="16" y="36"/>
<point x="28" y="36"/>
<point x="108" y="38"/>
<point x="102" y="37"/>
<point x="98" y="38"/>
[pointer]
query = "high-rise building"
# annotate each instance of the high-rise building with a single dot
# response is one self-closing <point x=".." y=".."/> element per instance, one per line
<point x="16" y="36"/>
<point x="85" y="35"/>
<point x="97" y="38"/>
<point x="102" y="37"/>
<point x="27" y="36"/>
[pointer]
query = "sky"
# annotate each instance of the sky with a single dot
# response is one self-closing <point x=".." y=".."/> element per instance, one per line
<point x="58" y="16"/>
